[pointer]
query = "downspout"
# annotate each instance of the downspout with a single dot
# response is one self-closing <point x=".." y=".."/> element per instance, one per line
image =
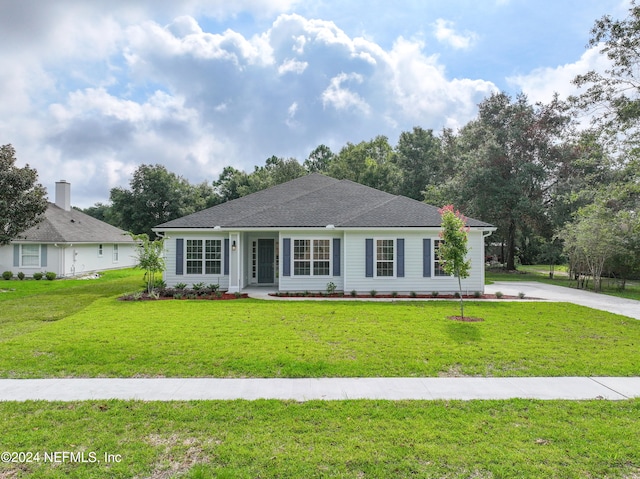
<point x="485" y="234"/>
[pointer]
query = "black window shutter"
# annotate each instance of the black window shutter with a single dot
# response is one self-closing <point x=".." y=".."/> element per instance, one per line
<point x="286" y="256"/>
<point x="336" y="256"/>
<point x="179" y="256"/>
<point x="369" y="257"/>
<point x="226" y="256"/>
<point x="400" y="262"/>
<point x="426" y="257"/>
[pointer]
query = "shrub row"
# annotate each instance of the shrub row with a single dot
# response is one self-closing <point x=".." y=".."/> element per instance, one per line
<point x="50" y="275"/>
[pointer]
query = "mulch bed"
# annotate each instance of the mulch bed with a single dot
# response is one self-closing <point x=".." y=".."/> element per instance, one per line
<point x="146" y="297"/>
<point x="398" y="296"/>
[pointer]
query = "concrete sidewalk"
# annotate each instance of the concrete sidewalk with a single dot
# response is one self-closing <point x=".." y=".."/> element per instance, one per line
<point x="184" y="389"/>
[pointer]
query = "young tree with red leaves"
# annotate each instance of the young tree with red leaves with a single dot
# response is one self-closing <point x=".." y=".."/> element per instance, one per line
<point x="453" y="249"/>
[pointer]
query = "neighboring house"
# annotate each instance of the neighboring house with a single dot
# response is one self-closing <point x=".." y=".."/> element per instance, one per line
<point x="314" y="230"/>
<point x="68" y="242"/>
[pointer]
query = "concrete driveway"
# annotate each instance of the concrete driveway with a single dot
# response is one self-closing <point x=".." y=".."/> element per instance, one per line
<point x="612" y="304"/>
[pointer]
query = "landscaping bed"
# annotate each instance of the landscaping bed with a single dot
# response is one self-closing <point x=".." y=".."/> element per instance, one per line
<point x="342" y="295"/>
<point x="182" y="294"/>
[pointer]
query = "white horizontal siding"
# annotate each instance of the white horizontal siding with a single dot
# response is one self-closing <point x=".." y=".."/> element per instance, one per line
<point x="73" y="260"/>
<point x="413" y="280"/>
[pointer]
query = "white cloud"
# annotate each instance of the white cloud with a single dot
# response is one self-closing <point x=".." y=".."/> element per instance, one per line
<point x="292" y="66"/>
<point x="540" y="84"/>
<point x="341" y="98"/>
<point x="445" y="33"/>
<point x="425" y="95"/>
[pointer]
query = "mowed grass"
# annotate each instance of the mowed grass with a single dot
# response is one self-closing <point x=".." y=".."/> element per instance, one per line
<point x="89" y="333"/>
<point x="345" y="439"/>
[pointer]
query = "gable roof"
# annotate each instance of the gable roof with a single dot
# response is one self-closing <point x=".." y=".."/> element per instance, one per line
<point x="73" y="226"/>
<point x="316" y="201"/>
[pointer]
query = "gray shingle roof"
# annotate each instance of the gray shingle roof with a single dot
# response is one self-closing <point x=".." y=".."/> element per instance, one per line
<point x="60" y="226"/>
<point x="316" y="201"/>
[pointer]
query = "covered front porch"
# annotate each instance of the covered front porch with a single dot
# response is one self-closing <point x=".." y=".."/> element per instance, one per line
<point x="254" y="260"/>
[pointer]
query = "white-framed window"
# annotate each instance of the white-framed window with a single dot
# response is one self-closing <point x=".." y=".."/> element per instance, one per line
<point x="116" y="253"/>
<point x="99" y="251"/>
<point x="384" y="258"/>
<point x="438" y="264"/>
<point x="311" y="257"/>
<point x="212" y="256"/>
<point x="204" y="256"/>
<point x="30" y="255"/>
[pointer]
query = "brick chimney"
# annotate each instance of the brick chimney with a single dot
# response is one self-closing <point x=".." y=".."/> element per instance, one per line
<point x="63" y="195"/>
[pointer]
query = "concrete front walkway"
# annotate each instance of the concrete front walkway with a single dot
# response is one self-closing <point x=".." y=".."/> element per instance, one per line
<point x="178" y="389"/>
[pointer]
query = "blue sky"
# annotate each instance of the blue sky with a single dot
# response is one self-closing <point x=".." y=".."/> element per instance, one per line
<point x="91" y="90"/>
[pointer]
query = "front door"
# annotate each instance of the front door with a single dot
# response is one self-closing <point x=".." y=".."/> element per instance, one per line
<point x="266" y="261"/>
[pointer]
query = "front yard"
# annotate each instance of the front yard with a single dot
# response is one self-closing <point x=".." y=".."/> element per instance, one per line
<point x="50" y="334"/>
<point x="79" y="328"/>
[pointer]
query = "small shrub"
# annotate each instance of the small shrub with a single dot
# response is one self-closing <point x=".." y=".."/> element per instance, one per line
<point x="354" y="293"/>
<point x="197" y="286"/>
<point x="306" y="293"/>
<point x="394" y="294"/>
<point x="192" y="296"/>
<point x="331" y="287"/>
<point x="20" y="275"/>
<point x="159" y="284"/>
<point x="50" y="275"/>
<point x="413" y="294"/>
<point x="136" y="296"/>
<point x="434" y="294"/>
<point x="177" y="295"/>
<point x="37" y="276"/>
<point x="181" y="286"/>
<point x="373" y="292"/>
<point x="154" y="294"/>
<point x="521" y="295"/>
<point x="477" y="294"/>
<point x="214" y="287"/>
<point x="456" y="294"/>
<point x="238" y="294"/>
<point x="499" y="294"/>
<point x="218" y="294"/>
<point x="7" y="275"/>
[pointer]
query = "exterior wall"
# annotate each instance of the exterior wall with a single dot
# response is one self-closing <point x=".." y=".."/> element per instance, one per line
<point x="413" y="280"/>
<point x="81" y="259"/>
<point x="352" y="262"/>
<point x="71" y="260"/>
<point x="171" y="278"/>
<point x="313" y="283"/>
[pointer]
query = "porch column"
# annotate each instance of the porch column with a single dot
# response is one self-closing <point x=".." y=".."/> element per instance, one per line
<point x="235" y="247"/>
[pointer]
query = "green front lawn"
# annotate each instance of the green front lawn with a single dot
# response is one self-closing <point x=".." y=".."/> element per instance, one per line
<point x="345" y="439"/>
<point x="78" y="328"/>
<point x="79" y="331"/>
